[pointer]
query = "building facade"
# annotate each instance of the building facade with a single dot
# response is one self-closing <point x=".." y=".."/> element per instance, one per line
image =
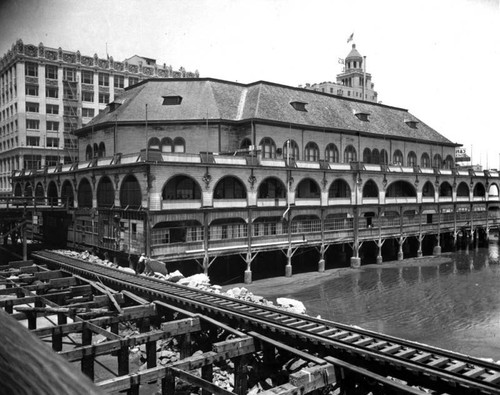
<point x="354" y="82"/>
<point x="195" y="169"/>
<point x="47" y="93"/>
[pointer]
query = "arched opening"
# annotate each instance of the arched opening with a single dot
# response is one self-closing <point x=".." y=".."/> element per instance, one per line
<point x="449" y="162"/>
<point x="28" y="190"/>
<point x="154" y="143"/>
<point x="84" y="194"/>
<point x="375" y="156"/>
<point x="88" y="152"/>
<point x="181" y="188"/>
<point x="370" y="189"/>
<point x="167" y="144"/>
<point x="271" y="188"/>
<point x="268" y="148"/>
<point x="176" y="232"/>
<point x="332" y="153"/>
<point x="493" y="190"/>
<point x="425" y="160"/>
<point x="18" y="190"/>
<point x="307" y="189"/>
<point x="339" y="190"/>
<point x="400" y="189"/>
<point x="179" y="145"/>
<point x="228" y="228"/>
<point x="95" y="150"/>
<point x="463" y="190"/>
<point x="397" y="158"/>
<point x="130" y="192"/>
<point x="479" y="190"/>
<point x="311" y="153"/>
<point x="67" y="194"/>
<point x="367" y="155"/>
<point x="437" y="161"/>
<point x="428" y="190"/>
<point x="105" y="193"/>
<point x="102" y="150"/>
<point x="445" y="189"/>
<point x="350" y="154"/>
<point x="52" y="193"/>
<point x="291" y="150"/>
<point x="411" y="160"/>
<point x="39" y="193"/>
<point x="230" y="187"/>
<point x="245" y="143"/>
<point x="384" y="157"/>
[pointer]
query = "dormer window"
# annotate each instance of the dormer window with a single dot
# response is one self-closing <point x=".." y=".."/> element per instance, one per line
<point x="115" y="104"/>
<point x="412" y="124"/>
<point x="362" y="116"/>
<point x="298" y="105"/>
<point x="172" y="100"/>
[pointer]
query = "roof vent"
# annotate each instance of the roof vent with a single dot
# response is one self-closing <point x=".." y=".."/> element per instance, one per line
<point x="298" y="105"/>
<point x="362" y="116"/>
<point x="411" y="123"/>
<point x="172" y="100"/>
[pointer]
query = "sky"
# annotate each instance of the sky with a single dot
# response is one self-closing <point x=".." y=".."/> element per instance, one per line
<point x="439" y="59"/>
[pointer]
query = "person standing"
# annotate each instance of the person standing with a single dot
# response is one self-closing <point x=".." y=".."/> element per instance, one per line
<point x="141" y="264"/>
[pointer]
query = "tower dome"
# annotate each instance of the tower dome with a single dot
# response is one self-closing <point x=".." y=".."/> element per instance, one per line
<point x="354" y="60"/>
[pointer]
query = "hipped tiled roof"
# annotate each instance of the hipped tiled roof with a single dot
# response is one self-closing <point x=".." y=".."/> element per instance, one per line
<point x="212" y="99"/>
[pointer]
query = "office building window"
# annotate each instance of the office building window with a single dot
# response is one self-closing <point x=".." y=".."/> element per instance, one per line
<point x="51" y="160"/>
<point x="103" y="98"/>
<point x="31" y="90"/>
<point x="32" y="107"/>
<point x="52" y="109"/>
<point x="87" y="112"/>
<point x="52" y="126"/>
<point x="51" y="72"/>
<point x="87" y="96"/>
<point x="52" y="92"/>
<point x="87" y="77"/>
<point x="133" y="81"/>
<point x="119" y="81"/>
<point x="69" y="93"/>
<point x="33" y="141"/>
<point x="31" y="69"/>
<point x="52" y="142"/>
<point x="103" y="79"/>
<point x="33" y="124"/>
<point x="69" y="75"/>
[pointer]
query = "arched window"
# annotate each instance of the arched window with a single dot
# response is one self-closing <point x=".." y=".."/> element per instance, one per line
<point x="479" y="190"/>
<point x="350" y="154"/>
<point x="428" y="190"/>
<point x="18" y="190"/>
<point x="230" y="188"/>
<point x="181" y="188"/>
<point x="367" y="155"/>
<point x="67" y="195"/>
<point x="445" y="190"/>
<point x="102" y="150"/>
<point x="339" y="189"/>
<point x="268" y="148"/>
<point x="384" y="157"/>
<point x="39" y="193"/>
<point x="167" y="145"/>
<point x="95" y="150"/>
<point x="154" y="143"/>
<point x="463" y="190"/>
<point x="493" y="190"/>
<point x="375" y="156"/>
<point x="311" y="153"/>
<point x="105" y="193"/>
<point x="397" y="158"/>
<point x="437" y="161"/>
<point x="271" y="188"/>
<point x="179" y="145"/>
<point x="449" y="162"/>
<point x="425" y="160"/>
<point x="84" y="194"/>
<point x="52" y="193"/>
<point x="28" y="190"/>
<point x="245" y="143"/>
<point x="130" y="192"/>
<point x="411" y="159"/>
<point x="401" y="189"/>
<point x="370" y="189"/>
<point x="88" y="152"/>
<point x="294" y="150"/>
<point x="332" y="153"/>
<point x="308" y="189"/>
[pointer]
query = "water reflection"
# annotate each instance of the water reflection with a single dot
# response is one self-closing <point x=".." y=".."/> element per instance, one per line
<point x="453" y="305"/>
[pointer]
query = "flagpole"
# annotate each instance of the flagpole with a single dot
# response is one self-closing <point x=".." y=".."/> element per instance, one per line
<point x="147" y="143"/>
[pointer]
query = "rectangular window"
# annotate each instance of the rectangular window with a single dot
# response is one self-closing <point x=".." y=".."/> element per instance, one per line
<point x="51" y="160"/>
<point x="103" y="79"/>
<point x="70" y="141"/>
<point x="69" y="93"/>
<point x="52" y="109"/>
<point x="69" y="75"/>
<point x="87" y="77"/>
<point x="51" y="72"/>
<point x="31" y="90"/>
<point x="70" y="111"/>
<point x="132" y="81"/>
<point x="87" y="96"/>
<point x="103" y="98"/>
<point x="32" y="107"/>
<point x="33" y="124"/>
<point x="119" y="81"/>
<point x="31" y="69"/>
<point x="52" y="92"/>
<point x="52" y="142"/>
<point x="88" y="112"/>
<point x="52" y="126"/>
<point x="33" y="141"/>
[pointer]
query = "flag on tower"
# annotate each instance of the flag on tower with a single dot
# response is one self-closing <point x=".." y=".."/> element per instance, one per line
<point x="350" y="38"/>
<point x="341" y="61"/>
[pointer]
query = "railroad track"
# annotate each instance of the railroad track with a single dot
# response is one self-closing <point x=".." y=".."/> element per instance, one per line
<point x="442" y="371"/>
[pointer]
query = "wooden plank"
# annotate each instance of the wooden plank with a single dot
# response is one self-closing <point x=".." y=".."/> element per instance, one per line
<point x="439" y="362"/>
<point x="312" y="378"/>
<point x="284" y="389"/>
<point x="101" y="331"/>
<point x="239" y="346"/>
<point x="220" y="325"/>
<point x="456" y="367"/>
<point x="19" y="264"/>
<point x="43" y="276"/>
<point x="199" y="382"/>
<point x="494" y="378"/>
<point x="181" y="327"/>
<point x="473" y="373"/>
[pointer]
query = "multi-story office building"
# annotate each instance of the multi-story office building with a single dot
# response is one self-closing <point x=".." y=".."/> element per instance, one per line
<point x="354" y="82"/>
<point x="47" y="93"/>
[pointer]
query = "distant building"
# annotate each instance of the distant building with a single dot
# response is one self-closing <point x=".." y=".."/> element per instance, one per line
<point x="351" y="82"/>
<point x="47" y="93"/>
